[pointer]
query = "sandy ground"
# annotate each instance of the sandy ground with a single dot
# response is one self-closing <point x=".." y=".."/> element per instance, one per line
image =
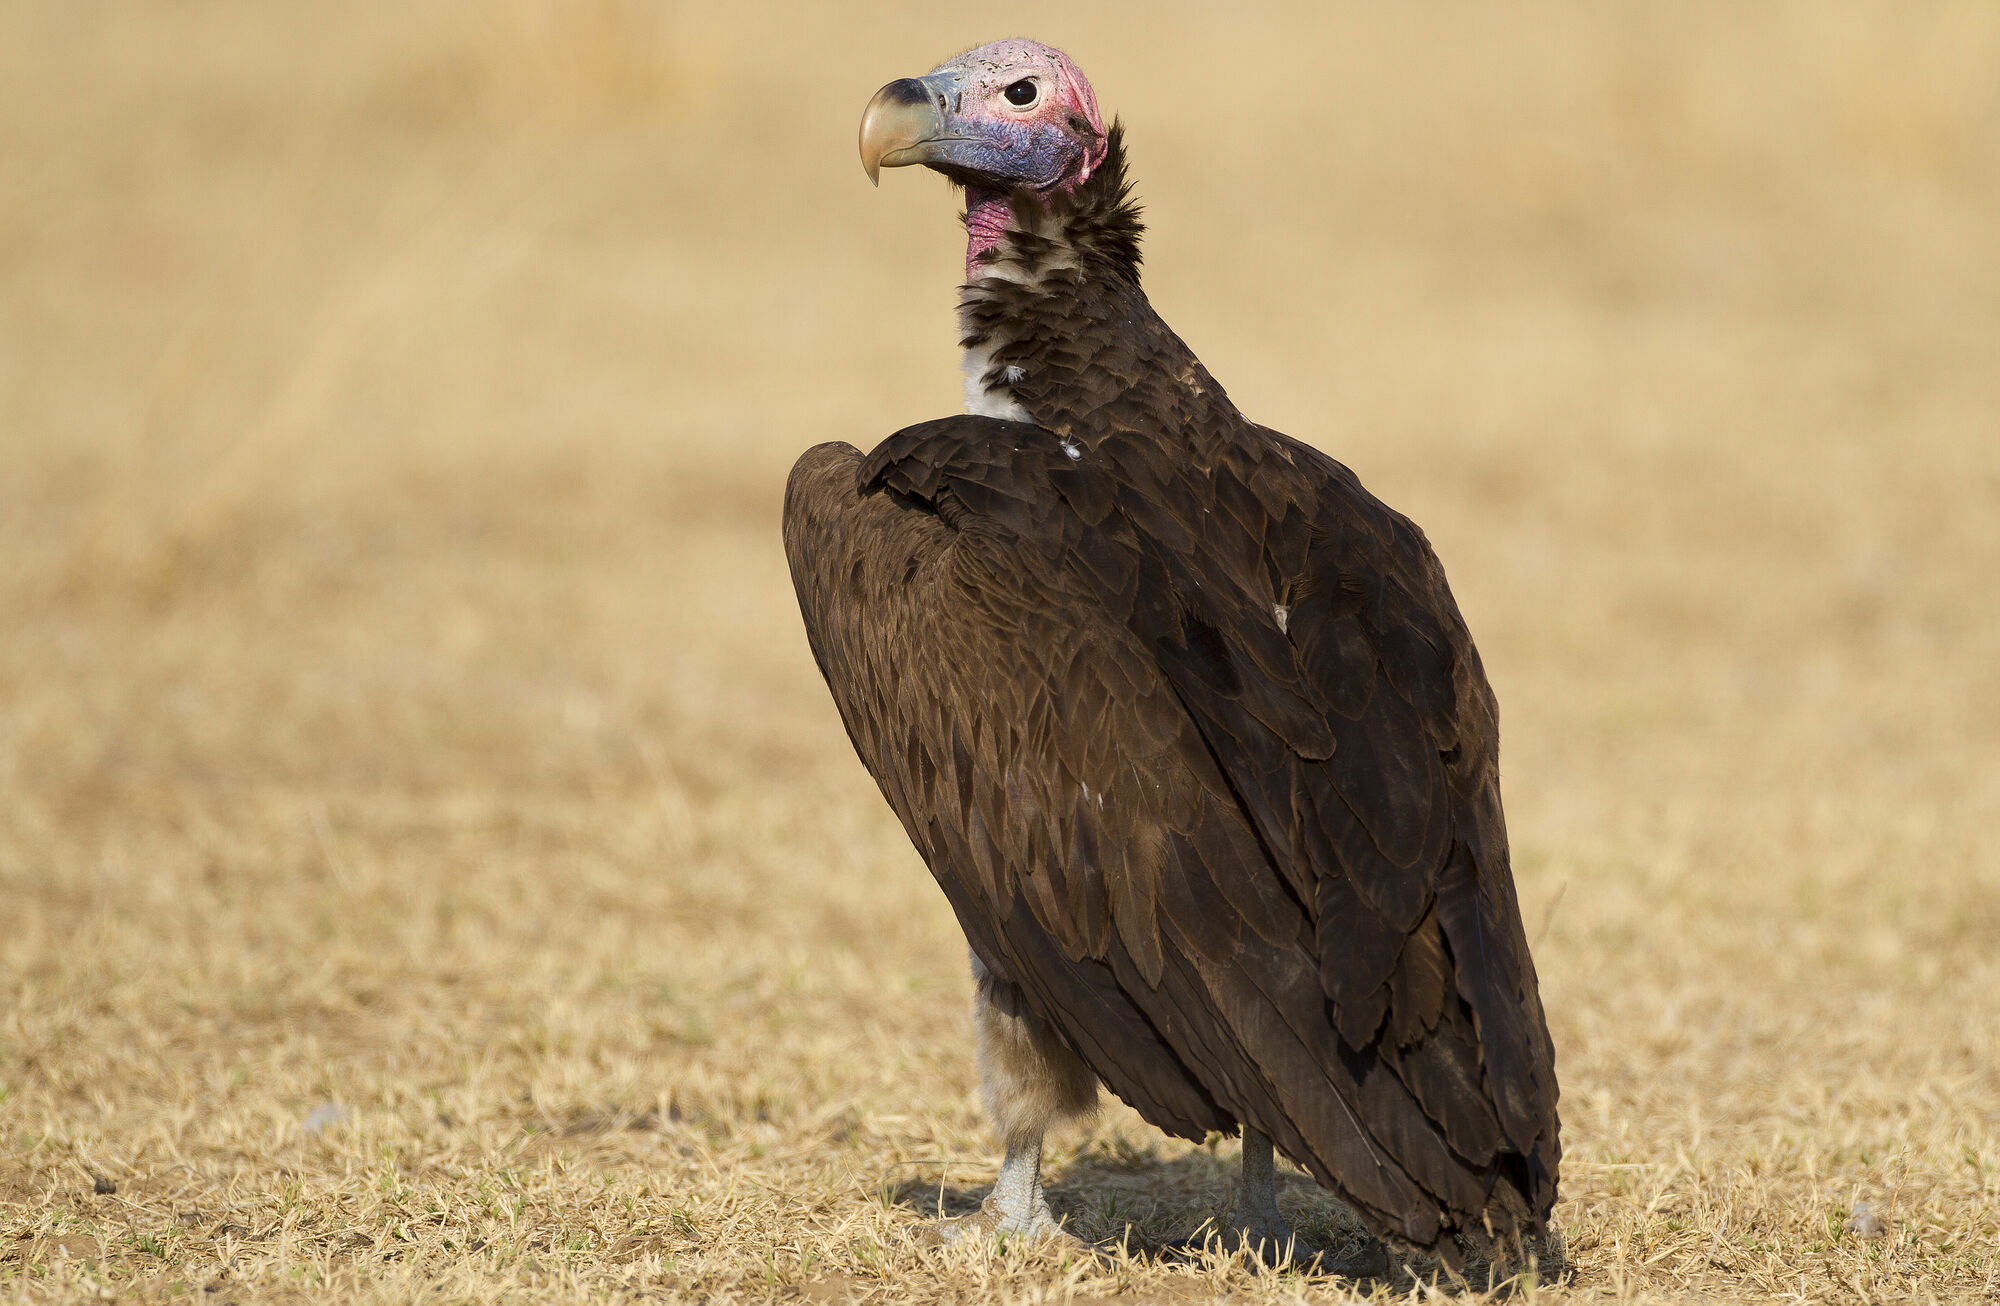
<point x="430" y="865"/>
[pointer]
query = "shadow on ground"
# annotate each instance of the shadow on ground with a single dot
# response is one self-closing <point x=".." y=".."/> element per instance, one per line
<point x="1162" y="1210"/>
<point x="1110" y="1192"/>
<point x="1157" y="1209"/>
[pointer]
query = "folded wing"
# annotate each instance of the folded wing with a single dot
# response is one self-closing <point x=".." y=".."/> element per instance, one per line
<point x="1205" y="762"/>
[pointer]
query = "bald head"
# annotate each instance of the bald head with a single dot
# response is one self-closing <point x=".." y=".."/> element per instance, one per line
<point x="1010" y="115"/>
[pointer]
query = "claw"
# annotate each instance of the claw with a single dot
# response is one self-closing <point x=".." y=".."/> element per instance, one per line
<point x="1276" y="1246"/>
<point x="991" y="1222"/>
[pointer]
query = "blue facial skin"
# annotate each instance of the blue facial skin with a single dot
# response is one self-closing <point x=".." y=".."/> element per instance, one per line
<point x="994" y="153"/>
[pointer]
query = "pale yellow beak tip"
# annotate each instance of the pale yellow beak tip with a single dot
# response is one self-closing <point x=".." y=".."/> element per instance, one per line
<point x="894" y="126"/>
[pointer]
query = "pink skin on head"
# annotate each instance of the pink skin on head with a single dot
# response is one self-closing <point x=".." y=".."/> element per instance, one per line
<point x="984" y="75"/>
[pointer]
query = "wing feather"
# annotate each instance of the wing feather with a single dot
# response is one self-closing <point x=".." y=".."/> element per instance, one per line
<point x="1205" y="763"/>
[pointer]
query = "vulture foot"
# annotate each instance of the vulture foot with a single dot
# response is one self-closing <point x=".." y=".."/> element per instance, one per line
<point x="1276" y="1246"/>
<point x="1015" y="1209"/>
<point x="1267" y="1238"/>
<point x="996" y="1221"/>
<point x="1257" y="1226"/>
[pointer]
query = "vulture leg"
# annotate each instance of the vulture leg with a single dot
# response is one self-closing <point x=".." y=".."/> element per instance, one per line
<point x="1031" y="1080"/>
<point x="1263" y="1231"/>
<point x="1259" y="1226"/>
<point x="1015" y="1208"/>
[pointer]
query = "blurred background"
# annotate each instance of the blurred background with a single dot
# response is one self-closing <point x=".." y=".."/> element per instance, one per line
<point x="401" y="690"/>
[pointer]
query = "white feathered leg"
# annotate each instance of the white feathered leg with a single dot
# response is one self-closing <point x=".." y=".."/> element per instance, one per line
<point x="1031" y="1080"/>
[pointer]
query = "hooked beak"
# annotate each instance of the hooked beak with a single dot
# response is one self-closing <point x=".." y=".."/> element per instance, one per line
<point x="902" y="125"/>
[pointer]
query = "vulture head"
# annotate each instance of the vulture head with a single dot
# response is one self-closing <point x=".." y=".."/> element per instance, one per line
<point x="1013" y="118"/>
<point x="1013" y="115"/>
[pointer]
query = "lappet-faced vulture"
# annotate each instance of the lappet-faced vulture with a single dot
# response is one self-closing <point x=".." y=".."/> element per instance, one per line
<point x="1184" y="721"/>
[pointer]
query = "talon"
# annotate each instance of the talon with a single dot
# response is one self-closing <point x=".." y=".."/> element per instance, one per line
<point x="1272" y="1243"/>
<point x="991" y="1221"/>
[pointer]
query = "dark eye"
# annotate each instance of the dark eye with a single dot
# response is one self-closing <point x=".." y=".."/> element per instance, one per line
<point x="1022" y="93"/>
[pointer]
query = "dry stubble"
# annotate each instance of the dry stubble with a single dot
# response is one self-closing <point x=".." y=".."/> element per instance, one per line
<point x="429" y="863"/>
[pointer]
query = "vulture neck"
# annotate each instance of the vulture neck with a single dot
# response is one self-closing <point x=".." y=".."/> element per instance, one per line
<point x="1055" y="327"/>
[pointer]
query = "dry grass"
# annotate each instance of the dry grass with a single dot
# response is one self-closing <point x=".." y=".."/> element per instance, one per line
<point x="429" y="865"/>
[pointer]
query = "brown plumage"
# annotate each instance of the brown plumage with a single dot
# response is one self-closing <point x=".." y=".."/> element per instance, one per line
<point x="1187" y="726"/>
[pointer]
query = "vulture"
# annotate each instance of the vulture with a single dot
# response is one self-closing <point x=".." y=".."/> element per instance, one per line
<point x="1184" y="721"/>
